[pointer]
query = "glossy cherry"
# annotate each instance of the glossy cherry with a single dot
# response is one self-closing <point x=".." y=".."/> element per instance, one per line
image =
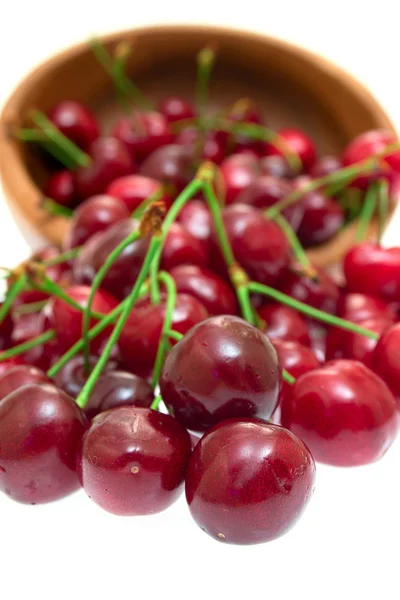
<point x="175" y="108"/>
<point x="134" y="460"/>
<point x="344" y="412"/>
<point x="196" y="218"/>
<point x="276" y="166"/>
<point x="171" y="164"/>
<point x="142" y="133"/>
<point x="182" y="248"/>
<point x="325" y="165"/>
<point x="6" y="328"/>
<point x="132" y="190"/>
<point x="27" y="327"/>
<point x="238" y="172"/>
<point x="40" y="432"/>
<point x="211" y="146"/>
<point x="212" y="291"/>
<point x="60" y="187"/>
<point x="297" y="142"/>
<point x="10" y="363"/>
<point x="141" y="335"/>
<point x="385" y="361"/>
<point x="370" y="269"/>
<point x="360" y="307"/>
<point x="320" y="292"/>
<point x="94" y="214"/>
<point x="73" y="376"/>
<point x="110" y="160"/>
<point x="369" y="143"/>
<point x="264" y="191"/>
<point x="18" y="376"/>
<point x="222" y="368"/>
<point x="249" y="481"/>
<point x="76" y="122"/>
<point x="284" y="323"/>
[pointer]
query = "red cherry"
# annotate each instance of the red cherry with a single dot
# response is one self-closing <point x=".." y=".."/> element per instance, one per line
<point x="76" y="122"/>
<point x="141" y="335"/>
<point x="182" y="248"/>
<point x="370" y="269"/>
<point x="134" y="460"/>
<point x="171" y="164"/>
<point x="343" y="412"/>
<point x="264" y="191"/>
<point x="211" y="290"/>
<point x="248" y="481"/>
<point x="175" y="108"/>
<point x="385" y="360"/>
<point x="10" y="363"/>
<point x="321" y="292"/>
<point x="326" y="165"/>
<point x="276" y="166"/>
<point x="124" y="271"/>
<point x="27" y="327"/>
<point x="40" y="432"/>
<point x="6" y="328"/>
<point x="297" y="142"/>
<point x="19" y="375"/>
<point x="222" y="368"/>
<point x="110" y="160"/>
<point x="60" y="187"/>
<point x="360" y="307"/>
<point x="143" y="133"/>
<point x="72" y="377"/>
<point x="238" y="172"/>
<point x="369" y="143"/>
<point x="132" y="190"/>
<point x="94" y="214"/>
<point x="284" y="323"/>
<point x="196" y="218"/>
<point x="212" y="145"/>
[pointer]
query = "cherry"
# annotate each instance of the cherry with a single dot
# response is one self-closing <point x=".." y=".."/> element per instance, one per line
<point x="264" y="191"/>
<point x="72" y="377"/>
<point x="171" y="164"/>
<point x="370" y="269"/>
<point x="320" y="292"/>
<point x="56" y="273"/>
<point x="211" y="290"/>
<point x="6" y="328"/>
<point x="248" y="481"/>
<point x="385" y="360"/>
<point x="297" y="142"/>
<point x="222" y="368"/>
<point x="110" y="160"/>
<point x="344" y="412"/>
<point x="76" y="122"/>
<point x="238" y="172"/>
<point x="295" y="358"/>
<point x="182" y="248"/>
<point x="143" y="133"/>
<point x="124" y="271"/>
<point x="29" y="326"/>
<point x="276" y="166"/>
<point x="258" y="244"/>
<point x="175" y="108"/>
<point x="94" y="214"/>
<point x="67" y="320"/>
<point x="369" y="143"/>
<point x="132" y="190"/>
<point x="212" y="145"/>
<point x="19" y="375"/>
<point x="134" y="460"/>
<point x="60" y="187"/>
<point x="284" y="323"/>
<point x="40" y="432"/>
<point x="325" y="166"/>
<point x="10" y="363"/>
<point x="196" y="218"/>
<point x="139" y="340"/>
<point x="360" y="307"/>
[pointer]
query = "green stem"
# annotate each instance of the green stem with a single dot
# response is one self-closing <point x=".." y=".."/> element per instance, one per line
<point x="366" y="213"/>
<point x="154" y="285"/>
<point x="170" y="286"/>
<point x="288" y="377"/>
<point x="314" y="313"/>
<point x="139" y="210"/>
<point x="21" y="348"/>
<point x="12" y="293"/>
<point x="174" y="335"/>
<point x="30" y="135"/>
<point x="31" y="307"/>
<point x="383" y="207"/>
<point x="156" y="402"/>
<point x="205" y="63"/>
<point x="294" y="241"/>
<point x="53" y="208"/>
<point x="64" y="257"/>
<point x="113" y="339"/>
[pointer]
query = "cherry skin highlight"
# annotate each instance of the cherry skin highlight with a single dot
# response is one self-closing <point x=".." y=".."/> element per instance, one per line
<point x="175" y="108"/>
<point x="172" y="165"/>
<point x="238" y="172"/>
<point x="344" y="412"/>
<point x="297" y="142"/>
<point x="360" y="307"/>
<point x="76" y="122"/>
<point x="40" y="432"/>
<point x="326" y="165"/>
<point x="370" y="269"/>
<point x="72" y="377"/>
<point x="222" y="368"/>
<point x="196" y="218"/>
<point x="248" y="481"/>
<point x="132" y="190"/>
<point x="134" y="460"/>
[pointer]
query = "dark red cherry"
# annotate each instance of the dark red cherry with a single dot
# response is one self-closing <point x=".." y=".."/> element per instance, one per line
<point x="249" y="481"/>
<point x="326" y="165"/>
<point x="134" y="460"/>
<point x="110" y="160"/>
<point x="258" y="243"/>
<point x="40" y="432"/>
<point x="171" y="164"/>
<point x="370" y="269"/>
<point x="284" y="323"/>
<point x="60" y="187"/>
<point x="10" y="363"/>
<point x="18" y="376"/>
<point x="142" y="133"/>
<point x="360" y="307"/>
<point x="212" y="144"/>
<point x="369" y="143"/>
<point x="76" y="122"/>
<point x="385" y="361"/>
<point x="67" y="320"/>
<point x="139" y="340"/>
<point x="196" y="218"/>
<point x="118" y="388"/>
<point x="175" y="108"/>
<point x="238" y="172"/>
<point x="73" y="376"/>
<point x="182" y="248"/>
<point x="124" y="271"/>
<point x="27" y="327"/>
<point x="276" y="166"/>
<point x="222" y="368"/>
<point x="6" y="328"/>
<point x="344" y="412"/>
<point x="264" y="191"/>
<point x="132" y="190"/>
<point x="297" y="142"/>
<point x="94" y="214"/>
<point x="320" y="292"/>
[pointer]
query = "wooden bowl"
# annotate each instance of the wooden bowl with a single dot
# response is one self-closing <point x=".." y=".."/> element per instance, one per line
<point x="291" y="85"/>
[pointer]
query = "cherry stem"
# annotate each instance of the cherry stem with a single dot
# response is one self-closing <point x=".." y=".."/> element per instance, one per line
<point x="62" y="258"/>
<point x="205" y="63"/>
<point x="383" y="207"/>
<point x="30" y="307"/>
<point x="113" y="339"/>
<point x="47" y="336"/>
<point x="30" y="135"/>
<point x="366" y="213"/>
<point x="156" y="402"/>
<point x="13" y="291"/>
<point x="55" y="209"/>
<point x="34" y="135"/>
<point x="170" y="286"/>
<point x="310" y="311"/>
<point x="295" y="244"/>
<point x="139" y="210"/>
<point x="288" y="377"/>
<point x="174" y="335"/>
<point x="74" y="154"/>
<point x="97" y="281"/>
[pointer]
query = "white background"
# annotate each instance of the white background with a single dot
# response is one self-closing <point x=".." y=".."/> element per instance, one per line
<point x="346" y="545"/>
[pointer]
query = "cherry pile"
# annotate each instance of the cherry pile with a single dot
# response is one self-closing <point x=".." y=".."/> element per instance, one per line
<point x="181" y="337"/>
